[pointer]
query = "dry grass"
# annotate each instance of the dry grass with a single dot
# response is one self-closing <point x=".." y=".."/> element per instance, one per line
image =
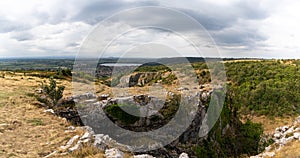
<point x="88" y="151"/>
<point x="270" y="125"/>
<point x="25" y="130"/>
<point x="241" y="60"/>
<point x="291" y="150"/>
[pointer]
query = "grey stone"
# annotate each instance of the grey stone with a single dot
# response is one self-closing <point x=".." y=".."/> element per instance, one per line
<point x="70" y="142"/>
<point x="143" y="156"/>
<point x="49" y="111"/>
<point x="268" y="154"/>
<point x="296" y="135"/>
<point x="113" y="153"/>
<point x="183" y="155"/>
<point x="99" y="142"/>
<point x="86" y="135"/>
<point x="277" y="135"/>
<point x="76" y="147"/>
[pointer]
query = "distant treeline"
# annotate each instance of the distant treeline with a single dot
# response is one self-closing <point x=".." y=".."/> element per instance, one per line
<point x="35" y="64"/>
<point x="55" y="64"/>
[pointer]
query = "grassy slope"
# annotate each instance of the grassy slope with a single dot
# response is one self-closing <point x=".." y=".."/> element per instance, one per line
<point x="291" y="150"/>
<point x="25" y="130"/>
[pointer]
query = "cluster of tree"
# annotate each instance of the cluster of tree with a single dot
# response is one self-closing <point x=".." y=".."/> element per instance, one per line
<point x="56" y="74"/>
<point x="266" y="87"/>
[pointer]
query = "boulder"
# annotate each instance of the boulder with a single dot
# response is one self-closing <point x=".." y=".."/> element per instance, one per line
<point x="70" y="142"/>
<point x="143" y="156"/>
<point x="113" y="153"/>
<point x="99" y="142"/>
<point x="183" y="155"/>
<point x="71" y="128"/>
<point x="284" y="128"/>
<point x="49" y="111"/>
<point x="103" y="97"/>
<point x="277" y="135"/>
<point x="290" y="130"/>
<point x="296" y="135"/>
<point x="75" y="147"/>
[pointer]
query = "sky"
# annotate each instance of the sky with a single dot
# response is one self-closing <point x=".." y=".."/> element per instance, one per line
<point x="239" y="28"/>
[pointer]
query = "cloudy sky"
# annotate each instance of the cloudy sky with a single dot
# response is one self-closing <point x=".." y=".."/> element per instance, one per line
<point x="240" y="28"/>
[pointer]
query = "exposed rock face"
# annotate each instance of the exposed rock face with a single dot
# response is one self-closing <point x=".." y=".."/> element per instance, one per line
<point x="150" y="108"/>
<point x="156" y="113"/>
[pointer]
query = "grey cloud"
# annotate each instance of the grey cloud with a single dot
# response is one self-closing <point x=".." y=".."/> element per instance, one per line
<point x="215" y="17"/>
<point x="210" y="22"/>
<point x="9" y="26"/>
<point x="239" y="37"/>
<point x="22" y="36"/>
<point x="74" y="44"/>
<point x="228" y="24"/>
<point x="96" y="11"/>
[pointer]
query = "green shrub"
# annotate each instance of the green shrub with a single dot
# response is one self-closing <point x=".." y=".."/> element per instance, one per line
<point x="169" y="79"/>
<point x="250" y="136"/>
<point x="116" y="111"/>
<point x="51" y="93"/>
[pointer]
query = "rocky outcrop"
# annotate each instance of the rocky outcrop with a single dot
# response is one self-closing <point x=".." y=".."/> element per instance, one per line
<point x="153" y="114"/>
<point x="151" y="109"/>
<point x="110" y="147"/>
<point x="143" y="78"/>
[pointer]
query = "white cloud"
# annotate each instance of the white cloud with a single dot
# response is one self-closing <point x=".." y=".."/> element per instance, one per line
<point x="282" y="29"/>
<point x="45" y="40"/>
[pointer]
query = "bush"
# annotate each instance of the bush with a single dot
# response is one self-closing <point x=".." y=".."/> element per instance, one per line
<point x="250" y="136"/>
<point x="51" y="93"/>
<point x="116" y="112"/>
